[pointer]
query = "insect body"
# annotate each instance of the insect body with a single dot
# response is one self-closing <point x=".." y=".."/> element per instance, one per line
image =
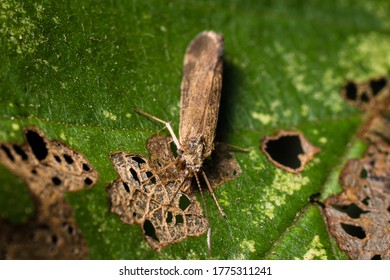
<point x="200" y="98"/>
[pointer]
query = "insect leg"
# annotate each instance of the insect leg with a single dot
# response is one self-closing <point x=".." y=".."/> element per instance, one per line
<point x="213" y="194"/>
<point x="167" y="124"/>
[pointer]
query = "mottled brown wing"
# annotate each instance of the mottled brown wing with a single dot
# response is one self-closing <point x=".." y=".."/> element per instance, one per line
<point x="201" y="90"/>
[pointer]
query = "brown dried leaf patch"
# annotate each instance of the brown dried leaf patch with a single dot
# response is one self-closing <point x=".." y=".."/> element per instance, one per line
<point x="359" y="217"/>
<point x="50" y="169"/>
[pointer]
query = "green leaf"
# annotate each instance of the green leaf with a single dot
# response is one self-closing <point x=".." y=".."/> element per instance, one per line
<point x="75" y="69"/>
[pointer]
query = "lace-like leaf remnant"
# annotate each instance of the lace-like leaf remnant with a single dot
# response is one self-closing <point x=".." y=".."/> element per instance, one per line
<point x="359" y="217"/>
<point x="50" y="169"/>
<point x="289" y="150"/>
<point x="158" y="196"/>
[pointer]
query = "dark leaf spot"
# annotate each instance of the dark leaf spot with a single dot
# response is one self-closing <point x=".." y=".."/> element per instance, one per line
<point x="351" y="210"/>
<point x="7" y="152"/>
<point x="54" y="239"/>
<point x="377" y="85"/>
<point x="68" y="227"/>
<point x="57" y="158"/>
<point x="88" y="181"/>
<point x="354" y="231"/>
<point x="150" y="230"/>
<point x="366" y="201"/>
<point x="56" y="181"/>
<point x="126" y="187"/>
<point x="174" y="149"/>
<point x="138" y="159"/>
<point x="169" y="217"/>
<point x="37" y="144"/>
<point x="20" y="152"/>
<point x="363" y="174"/>
<point x="134" y="174"/>
<point x="351" y="91"/>
<point x="179" y="219"/>
<point x="184" y="202"/>
<point x="151" y="177"/>
<point x="68" y="159"/>
<point x="86" y="167"/>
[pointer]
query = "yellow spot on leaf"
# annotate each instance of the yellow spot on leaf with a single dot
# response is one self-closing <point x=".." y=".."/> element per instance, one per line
<point x="109" y="115"/>
<point x="283" y="186"/>
<point x="15" y="126"/>
<point x="263" y="118"/>
<point x="316" y="250"/>
<point x="248" y="245"/>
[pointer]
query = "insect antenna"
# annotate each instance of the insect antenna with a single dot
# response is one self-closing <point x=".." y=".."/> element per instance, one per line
<point x="206" y="213"/>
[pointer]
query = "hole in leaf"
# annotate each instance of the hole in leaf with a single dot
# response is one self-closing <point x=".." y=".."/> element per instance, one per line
<point x="354" y="231"/>
<point x="54" y="239"/>
<point x="179" y="219"/>
<point x="20" y="152"/>
<point x="363" y="174"/>
<point x="184" y="202"/>
<point x="377" y="257"/>
<point x="285" y="150"/>
<point x="169" y="217"/>
<point x="377" y="85"/>
<point x="126" y="187"/>
<point x="57" y="158"/>
<point x="68" y="159"/>
<point x="134" y="174"/>
<point x="7" y="152"/>
<point x="151" y="177"/>
<point x="37" y="144"/>
<point x="351" y="210"/>
<point x="351" y="91"/>
<point x="173" y="149"/>
<point x="56" y="181"/>
<point x="366" y="201"/>
<point x="68" y="227"/>
<point x="88" y="181"/>
<point x="150" y="230"/>
<point x="86" y="167"/>
<point x="138" y="159"/>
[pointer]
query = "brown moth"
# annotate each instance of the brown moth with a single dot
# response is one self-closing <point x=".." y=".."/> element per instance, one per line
<point x="200" y="98"/>
<point x="50" y="169"/>
<point x="156" y="193"/>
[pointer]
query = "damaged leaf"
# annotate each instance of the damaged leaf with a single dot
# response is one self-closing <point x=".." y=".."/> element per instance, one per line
<point x="158" y="196"/>
<point x="151" y="193"/>
<point x="288" y="150"/>
<point x="50" y="169"/>
<point x="359" y="217"/>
